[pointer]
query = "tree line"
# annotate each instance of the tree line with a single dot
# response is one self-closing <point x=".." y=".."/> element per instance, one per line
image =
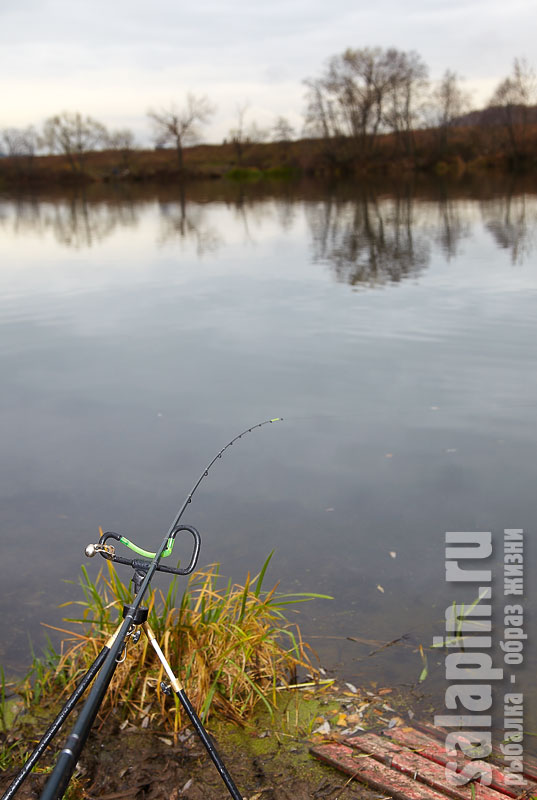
<point x="360" y="95"/>
<point x="371" y="91"/>
<point x="73" y="134"/>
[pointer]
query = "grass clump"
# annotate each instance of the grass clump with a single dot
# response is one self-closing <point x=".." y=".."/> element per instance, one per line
<point x="244" y="174"/>
<point x="230" y="645"/>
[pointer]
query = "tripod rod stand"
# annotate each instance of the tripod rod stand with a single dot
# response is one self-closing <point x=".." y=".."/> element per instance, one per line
<point x="102" y="670"/>
<point x="55" y="726"/>
<point x="105" y="664"/>
<point x="193" y="717"/>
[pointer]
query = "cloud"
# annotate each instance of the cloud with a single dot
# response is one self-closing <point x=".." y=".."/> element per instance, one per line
<point x="114" y="59"/>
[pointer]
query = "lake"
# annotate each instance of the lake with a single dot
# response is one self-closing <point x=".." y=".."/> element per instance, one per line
<point x="393" y="327"/>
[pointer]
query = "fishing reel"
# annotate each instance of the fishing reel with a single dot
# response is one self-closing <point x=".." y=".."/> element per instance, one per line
<point x="108" y="551"/>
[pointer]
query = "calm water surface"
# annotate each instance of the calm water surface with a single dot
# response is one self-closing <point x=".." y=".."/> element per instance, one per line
<point x="395" y="333"/>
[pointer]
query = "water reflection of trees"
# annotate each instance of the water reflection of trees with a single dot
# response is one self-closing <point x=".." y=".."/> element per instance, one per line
<point x="368" y="240"/>
<point x="452" y="225"/>
<point x="512" y="221"/>
<point x="184" y="222"/>
<point x="74" y="222"/>
<point x="367" y="237"/>
<point x="80" y="223"/>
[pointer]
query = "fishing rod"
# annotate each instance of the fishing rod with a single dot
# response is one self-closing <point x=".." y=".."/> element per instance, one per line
<point x="169" y="539"/>
<point x="134" y="614"/>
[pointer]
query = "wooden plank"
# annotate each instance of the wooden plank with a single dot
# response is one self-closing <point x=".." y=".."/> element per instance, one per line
<point x="434" y="750"/>
<point x="420" y="768"/>
<point x="373" y="773"/>
<point x="530" y="764"/>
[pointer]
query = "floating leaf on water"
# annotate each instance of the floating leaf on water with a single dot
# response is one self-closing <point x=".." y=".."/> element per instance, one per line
<point x="435" y="408"/>
<point x="379" y="587"/>
<point x="352" y="688"/>
<point x="388" y="455"/>
<point x="393" y="554"/>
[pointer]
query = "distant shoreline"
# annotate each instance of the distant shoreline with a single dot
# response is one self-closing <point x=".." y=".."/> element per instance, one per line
<point x="471" y="149"/>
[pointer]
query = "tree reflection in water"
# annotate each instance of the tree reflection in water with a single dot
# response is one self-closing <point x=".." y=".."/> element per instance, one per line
<point x="74" y="221"/>
<point x="365" y="236"/>
<point x="184" y="221"/>
<point x="512" y="221"/>
<point x="452" y="225"/>
<point x="368" y="240"/>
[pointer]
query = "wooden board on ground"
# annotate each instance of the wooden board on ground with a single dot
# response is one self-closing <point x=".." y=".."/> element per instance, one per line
<point x="411" y="764"/>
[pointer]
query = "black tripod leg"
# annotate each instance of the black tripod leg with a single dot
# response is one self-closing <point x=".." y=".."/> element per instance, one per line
<point x="67" y="760"/>
<point x="195" y="720"/>
<point x="53" y="729"/>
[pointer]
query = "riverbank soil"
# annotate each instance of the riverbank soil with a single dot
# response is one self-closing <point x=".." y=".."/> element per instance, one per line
<point x="268" y="759"/>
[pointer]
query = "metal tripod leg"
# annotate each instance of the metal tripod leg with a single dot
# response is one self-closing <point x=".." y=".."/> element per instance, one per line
<point x="195" y="720"/>
<point x="55" y="726"/>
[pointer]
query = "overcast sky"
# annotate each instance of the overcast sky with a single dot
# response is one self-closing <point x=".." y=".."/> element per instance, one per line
<point x="115" y="59"/>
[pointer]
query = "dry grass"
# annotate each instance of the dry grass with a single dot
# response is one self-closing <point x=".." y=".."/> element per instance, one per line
<point x="231" y="647"/>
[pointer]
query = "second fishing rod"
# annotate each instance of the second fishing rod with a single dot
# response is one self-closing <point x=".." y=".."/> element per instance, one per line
<point x="133" y="615"/>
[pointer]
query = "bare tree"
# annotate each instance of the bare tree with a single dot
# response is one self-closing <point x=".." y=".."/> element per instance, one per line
<point x="282" y="130"/>
<point x="238" y="135"/>
<point x="358" y="80"/>
<point x="347" y="99"/>
<point x="319" y="109"/>
<point x="19" y="141"/>
<point x="121" y="139"/>
<point x="406" y="76"/>
<point x="519" y="88"/>
<point x="123" y="142"/>
<point x="449" y="102"/>
<point x="241" y="134"/>
<point x="513" y="96"/>
<point x="73" y="135"/>
<point x="181" y="126"/>
<point x="364" y="92"/>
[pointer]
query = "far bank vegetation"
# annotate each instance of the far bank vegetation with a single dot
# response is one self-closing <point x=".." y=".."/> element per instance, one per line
<point x="369" y="110"/>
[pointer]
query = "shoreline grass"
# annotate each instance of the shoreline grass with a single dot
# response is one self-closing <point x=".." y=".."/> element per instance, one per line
<point x="231" y="646"/>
